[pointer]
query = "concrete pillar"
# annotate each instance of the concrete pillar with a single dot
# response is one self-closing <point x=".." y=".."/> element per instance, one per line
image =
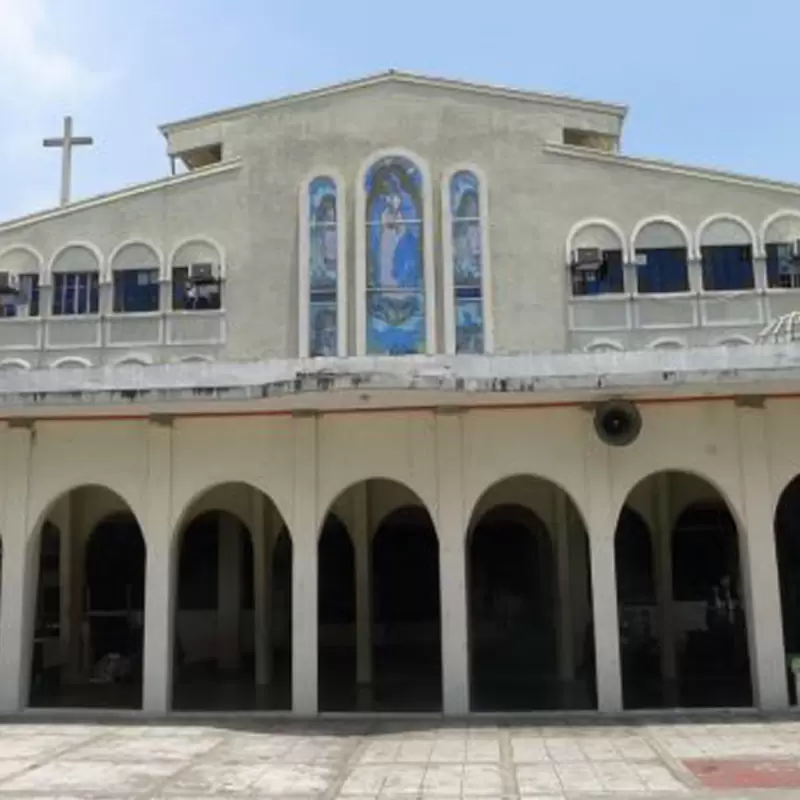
<point x="229" y="593"/>
<point x="19" y="571"/>
<point x="564" y="626"/>
<point x="161" y="571"/>
<point x="601" y="519"/>
<point x="363" y="574"/>
<point x="662" y="553"/>
<point x="73" y="591"/>
<point x="262" y="589"/>
<point x="759" y="562"/>
<point x="451" y="527"/>
<point x="303" y="529"/>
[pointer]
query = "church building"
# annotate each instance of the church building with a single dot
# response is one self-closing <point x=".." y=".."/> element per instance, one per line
<point x="402" y="395"/>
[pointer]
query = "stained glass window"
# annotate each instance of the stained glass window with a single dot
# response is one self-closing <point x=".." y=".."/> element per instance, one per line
<point x="323" y="267"/>
<point x="465" y="211"/>
<point x="395" y="262"/>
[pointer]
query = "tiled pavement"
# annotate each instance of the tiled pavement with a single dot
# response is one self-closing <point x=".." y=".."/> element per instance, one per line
<point x="365" y="760"/>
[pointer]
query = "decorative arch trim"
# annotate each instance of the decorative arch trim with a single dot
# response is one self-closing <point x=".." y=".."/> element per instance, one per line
<point x="15" y="362"/>
<point x="667" y="343"/>
<point x="304" y="250"/>
<point x="200" y="239"/>
<point x="732" y="338"/>
<point x="429" y="270"/>
<point x="25" y="248"/>
<point x="195" y="359"/>
<point x="448" y="254"/>
<point x="599" y="222"/>
<point x="599" y="344"/>
<point x="140" y="359"/>
<point x="665" y="220"/>
<point x="92" y="248"/>
<point x="156" y="251"/>
<point x="724" y="216"/>
<point x="786" y="213"/>
<point x="74" y="361"/>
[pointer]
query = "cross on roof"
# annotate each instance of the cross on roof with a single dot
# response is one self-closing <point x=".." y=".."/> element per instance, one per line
<point x="66" y="142"/>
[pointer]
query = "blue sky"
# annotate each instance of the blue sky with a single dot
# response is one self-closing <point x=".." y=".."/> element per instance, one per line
<point x="708" y="82"/>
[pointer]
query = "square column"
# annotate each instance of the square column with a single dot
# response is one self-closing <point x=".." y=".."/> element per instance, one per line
<point x="262" y="588"/>
<point x="229" y="593"/>
<point x="563" y="595"/>
<point x="451" y="527"/>
<point x="662" y="549"/>
<point x="303" y="528"/>
<point x="601" y="521"/>
<point x="759" y="562"/>
<point x="19" y="572"/>
<point x="363" y="573"/>
<point x="161" y="571"/>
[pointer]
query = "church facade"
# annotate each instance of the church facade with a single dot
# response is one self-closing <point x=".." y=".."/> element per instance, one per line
<point x="402" y="395"/>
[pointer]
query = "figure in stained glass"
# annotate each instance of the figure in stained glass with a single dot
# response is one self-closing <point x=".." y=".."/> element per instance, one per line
<point x="467" y="245"/>
<point x="395" y="266"/>
<point x="469" y="326"/>
<point x="323" y="330"/>
<point x="324" y="246"/>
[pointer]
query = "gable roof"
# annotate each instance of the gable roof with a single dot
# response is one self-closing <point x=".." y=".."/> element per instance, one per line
<point x="406" y="78"/>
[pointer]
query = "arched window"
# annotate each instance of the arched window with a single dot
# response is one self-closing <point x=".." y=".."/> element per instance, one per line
<point x="726" y="252"/>
<point x="661" y="251"/>
<point x="76" y="281"/>
<point x="136" y="274"/>
<point x="20" y="270"/>
<point x="781" y="237"/>
<point x="197" y="272"/>
<point x="395" y="258"/>
<point x="596" y="258"/>
<point x="465" y="259"/>
<point x="323" y="320"/>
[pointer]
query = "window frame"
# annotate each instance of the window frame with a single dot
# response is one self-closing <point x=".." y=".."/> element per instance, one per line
<point x="221" y="265"/>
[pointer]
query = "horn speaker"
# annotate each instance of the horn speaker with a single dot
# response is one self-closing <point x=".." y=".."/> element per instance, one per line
<point x="617" y="422"/>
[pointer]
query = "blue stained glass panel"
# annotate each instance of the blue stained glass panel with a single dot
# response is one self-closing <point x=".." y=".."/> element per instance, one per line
<point x="323" y="234"/>
<point x="467" y="253"/>
<point x="395" y="323"/>
<point x="394" y="225"/>
<point x="464" y="196"/>
<point x="323" y="329"/>
<point x="469" y="326"/>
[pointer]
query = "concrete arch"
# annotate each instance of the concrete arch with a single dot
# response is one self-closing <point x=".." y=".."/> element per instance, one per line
<point x="429" y="266"/>
<point x="133" y="359"/>
<point x="732" y="339"/>
<point x="741" y="222"/>
<point x="667" y="343"/>
<point x="193" y="507"/>
<point x="120" y="248"/>
<point x="23" y="248"/>
<point x="17" y="363"/>
<point x="71" y="361"/>
<point x="79" y="245"/>
<point x="198" y="239"/>
<point x="195" y="358"/>
<point x="603" y="345"/>
<point x="596" y="222"/>
<point x="663" y="219"/>
<point x="787" y="214"/>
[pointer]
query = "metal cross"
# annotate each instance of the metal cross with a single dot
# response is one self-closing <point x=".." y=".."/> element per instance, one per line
<point x="66" y="142"/>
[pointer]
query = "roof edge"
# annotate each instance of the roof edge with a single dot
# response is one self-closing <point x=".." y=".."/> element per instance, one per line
<point x="121" y="194"/>
<point x="409" y="78"/>
<point x="659" y="165"/>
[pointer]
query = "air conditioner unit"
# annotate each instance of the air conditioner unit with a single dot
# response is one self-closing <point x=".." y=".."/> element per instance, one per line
<point x="200" y="274"/>
<point x="640" y="259"/>
<point x="9" y="284"/>
<point x="587" y="259"/>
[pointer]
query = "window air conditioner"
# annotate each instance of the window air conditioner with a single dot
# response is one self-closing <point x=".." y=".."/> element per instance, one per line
<point x="640" y="260"/>
<point x="587" y="259"/>
<point x="9" y="284"/>
<point x="202" y="274"/>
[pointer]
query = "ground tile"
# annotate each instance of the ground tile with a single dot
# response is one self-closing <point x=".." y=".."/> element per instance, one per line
<point x="538" y="779"/>
<point x="215" y="779"/>
<point x="294" y="780"/>
<point x="145" y="748"/>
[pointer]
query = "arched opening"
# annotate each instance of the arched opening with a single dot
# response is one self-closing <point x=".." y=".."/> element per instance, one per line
<point x="88" y="633"/>
<point x="686" y="645"/>
<point x="787" y="546"/>
<point x="380" y="639"/>
<point x="530" y="619"/>
<point x="233" y="613"/>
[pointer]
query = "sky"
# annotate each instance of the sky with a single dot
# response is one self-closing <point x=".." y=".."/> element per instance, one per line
<point x="708" y="82"/>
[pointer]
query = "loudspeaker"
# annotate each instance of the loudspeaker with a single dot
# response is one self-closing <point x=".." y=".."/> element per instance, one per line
<point x="617" y="422"/>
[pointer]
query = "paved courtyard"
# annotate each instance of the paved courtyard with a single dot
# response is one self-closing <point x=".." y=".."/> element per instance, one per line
<point x="364" y="760"/>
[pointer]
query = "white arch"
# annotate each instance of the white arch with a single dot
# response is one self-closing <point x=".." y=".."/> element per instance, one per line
<point x="598" y="222"/>
<point x="92" y="248"/>
<point x="304" y="277"/>
<point x="200" y="239"/>
<point x="724" y="216"/>
<point x="25" y="248"/>
<point x="133" y="359"/>
<point x="361" y="246"/>
<point x="156" y="251"/>
<point x="487" y="304"/>
<point x="665" y="220"/>
<point x="732" y="339"/>
<point x="195" y="358"/>
<point x="71" y="361"/>
<point x="19" y="363"/>
<point x="667" y="343"/>
<point x="600" y="345"/>
<point x="786" y="213"/>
